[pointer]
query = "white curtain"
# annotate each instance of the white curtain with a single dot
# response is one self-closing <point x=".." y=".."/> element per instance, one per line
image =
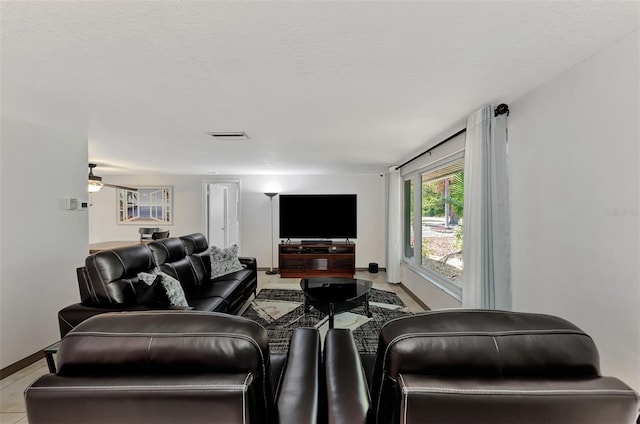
<point x="394" y="226"/>
<point x="486" y="281"/>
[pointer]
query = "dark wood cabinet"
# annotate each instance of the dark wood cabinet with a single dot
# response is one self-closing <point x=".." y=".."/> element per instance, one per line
<point x="317" y="260"/>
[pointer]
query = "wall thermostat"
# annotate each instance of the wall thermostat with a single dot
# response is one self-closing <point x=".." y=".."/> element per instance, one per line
<point x="71" y="203"/>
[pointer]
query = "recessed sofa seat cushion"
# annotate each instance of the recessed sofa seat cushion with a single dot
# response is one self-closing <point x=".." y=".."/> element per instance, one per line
<point x="244" y="276"/>
<point x="246" y="283"/>
<point x="230" y="290"/>
<point x="213" y="304"/>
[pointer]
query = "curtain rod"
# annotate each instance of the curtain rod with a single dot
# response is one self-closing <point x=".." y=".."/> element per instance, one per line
<point x="431" y="148"/>
<point x="500" y="110"/>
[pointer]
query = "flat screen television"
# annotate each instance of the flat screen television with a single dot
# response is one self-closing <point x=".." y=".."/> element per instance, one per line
<point x="318" y="216"/>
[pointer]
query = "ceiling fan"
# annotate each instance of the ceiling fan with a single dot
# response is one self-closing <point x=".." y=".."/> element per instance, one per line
<point x="95" y="182"/>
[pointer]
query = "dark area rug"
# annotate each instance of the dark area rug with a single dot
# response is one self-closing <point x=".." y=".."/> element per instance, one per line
<point x="280" y="311"/>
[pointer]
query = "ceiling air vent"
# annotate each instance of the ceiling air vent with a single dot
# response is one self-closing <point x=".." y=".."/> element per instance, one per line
<point x="229" y="135"/>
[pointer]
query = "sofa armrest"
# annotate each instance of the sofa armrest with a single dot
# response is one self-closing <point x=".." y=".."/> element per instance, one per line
<point x="72" y="315"/>
<point x="125" y="398"/>
<point x="251" y="263"/>
<point x="585" y="400"/>
<point x="297" y="395"/>
<point x="347" y="392"/>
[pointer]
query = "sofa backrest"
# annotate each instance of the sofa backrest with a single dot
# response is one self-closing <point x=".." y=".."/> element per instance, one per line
<point x="112" y="274"/>
<point x="198" y="253"/>
<point x="164" y="342"/>
<point x="137" y="366"/>
<point x="481" y="344"/>
<point x="195" y="243"/>
<point x="170" y="255"/>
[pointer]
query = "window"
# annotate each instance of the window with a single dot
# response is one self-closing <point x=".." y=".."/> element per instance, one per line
<point x="442" y="203"/>
<point x="409" y="238"/>
<point x="433" y="214"/>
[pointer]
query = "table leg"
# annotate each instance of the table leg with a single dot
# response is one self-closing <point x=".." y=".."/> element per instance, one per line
<point x="366" y="306"/>
<point x="50" y="363"/>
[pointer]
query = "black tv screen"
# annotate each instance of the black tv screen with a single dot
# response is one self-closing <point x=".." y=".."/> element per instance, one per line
<point x="311" y="216"/>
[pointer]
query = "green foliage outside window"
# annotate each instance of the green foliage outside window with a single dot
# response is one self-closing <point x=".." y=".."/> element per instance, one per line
<point x="456" y="193"/>
<point x="433" y="199"/>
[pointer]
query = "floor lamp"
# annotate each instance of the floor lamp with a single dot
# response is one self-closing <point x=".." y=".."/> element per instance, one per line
<point x="271" y="270"/>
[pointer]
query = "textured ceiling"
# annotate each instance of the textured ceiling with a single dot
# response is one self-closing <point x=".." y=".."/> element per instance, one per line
<point x="320" y="87"/>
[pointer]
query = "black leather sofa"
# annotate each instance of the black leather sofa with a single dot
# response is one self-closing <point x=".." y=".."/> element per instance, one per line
<point x="177" y="367"/>
<point x="108" y="282"/>
<point x="474" y="366"/>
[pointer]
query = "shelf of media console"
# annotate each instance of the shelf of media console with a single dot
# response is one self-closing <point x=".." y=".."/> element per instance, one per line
<point x="308" y="260"/>
<point x="307" y="249"/>
<point x="320" y="242"/>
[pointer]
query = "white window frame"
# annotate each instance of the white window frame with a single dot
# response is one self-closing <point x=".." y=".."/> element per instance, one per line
<point x="450" y="152"/>
<point x="405" y="242"/>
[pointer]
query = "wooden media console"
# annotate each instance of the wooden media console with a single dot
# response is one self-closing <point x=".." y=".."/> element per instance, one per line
<point x="317" y="260"/>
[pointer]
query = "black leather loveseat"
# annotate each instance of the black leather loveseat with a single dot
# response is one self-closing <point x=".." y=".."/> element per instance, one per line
<point x="474" y="366"/>
<point x="109" y="280"/>
<point x="178" y="367"/>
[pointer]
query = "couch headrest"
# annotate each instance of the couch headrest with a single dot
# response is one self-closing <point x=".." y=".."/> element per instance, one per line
<point x="167" y="250"/>
<point x="111" y="272"/>
<point x="164" y="342"/>
<point x="195" y="243"/>
<point x="120" y="263"/>
<point x="483" y="342"/>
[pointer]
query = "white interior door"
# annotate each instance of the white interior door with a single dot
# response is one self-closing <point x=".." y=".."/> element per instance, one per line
<point x="223" y="223"/>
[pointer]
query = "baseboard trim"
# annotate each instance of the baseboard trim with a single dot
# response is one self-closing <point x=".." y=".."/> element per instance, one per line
<point x="414" y="297"/>
<point x="23" y="363"/>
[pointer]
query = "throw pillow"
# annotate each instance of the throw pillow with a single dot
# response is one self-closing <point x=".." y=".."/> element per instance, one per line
<point x="148" y="277"/>
<point x="154" y="294"/>
<point x="171" y="289"/>
<point x="224" y="261"/>
<point x="174" y="290"/>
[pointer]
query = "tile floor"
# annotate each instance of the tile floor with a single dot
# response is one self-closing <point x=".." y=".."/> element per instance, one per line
<point x="12" y="408"/>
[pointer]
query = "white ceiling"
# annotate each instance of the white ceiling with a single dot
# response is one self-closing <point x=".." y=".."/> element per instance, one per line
<point x="319" y="87"/>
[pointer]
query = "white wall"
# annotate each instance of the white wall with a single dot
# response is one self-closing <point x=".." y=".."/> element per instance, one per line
<point x="255" y="212"/>
<point x="574" y="186"/>
<point x="431" y="295"/>
<point x="41" y="243"/>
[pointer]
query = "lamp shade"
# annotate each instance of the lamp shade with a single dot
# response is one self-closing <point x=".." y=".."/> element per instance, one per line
<point x="94" y="186"/>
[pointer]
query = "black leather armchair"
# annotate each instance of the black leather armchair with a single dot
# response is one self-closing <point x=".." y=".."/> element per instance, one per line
<point x="177" y="367"/>
<point x="474" y="366"/>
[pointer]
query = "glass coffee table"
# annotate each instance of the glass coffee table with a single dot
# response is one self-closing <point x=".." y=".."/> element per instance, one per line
<point x="333" y="295"/>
